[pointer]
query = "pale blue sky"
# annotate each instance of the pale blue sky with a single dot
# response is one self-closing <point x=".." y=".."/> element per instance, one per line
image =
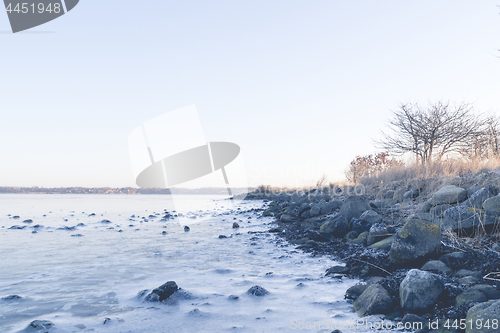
<point x="301" y="86"/>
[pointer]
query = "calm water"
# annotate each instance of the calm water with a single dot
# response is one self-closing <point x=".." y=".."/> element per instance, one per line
<point x="78" y="282"/>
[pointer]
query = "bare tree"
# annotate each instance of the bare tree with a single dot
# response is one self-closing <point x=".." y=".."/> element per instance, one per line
<point x="432" y="131"/>
<point x="486" y="143"/>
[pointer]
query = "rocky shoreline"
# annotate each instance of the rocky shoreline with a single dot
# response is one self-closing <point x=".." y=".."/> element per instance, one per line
<point x="422" y="258"/>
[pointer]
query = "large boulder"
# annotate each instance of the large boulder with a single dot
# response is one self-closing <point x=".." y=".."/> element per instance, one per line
<point x="417" y="239"/>
<point x="338" y="226"/>
<point x="331" y="206"/>
<point x="462" y="217"/>
<point x="354" y="206"/>
<point x="419" y="290"/>
<point x="377" y="233"/>
<point x="470" y="297"/>
<point x="492" y="204"/>
<point x="477" y="199"/>
<point x="449" y="194"/>
<point x="162" y="292"/>
<point x="488" y="291"/>
<point x="371" y="216"/>
<point x="482" y="313"/>
<point x="374" y="300"/>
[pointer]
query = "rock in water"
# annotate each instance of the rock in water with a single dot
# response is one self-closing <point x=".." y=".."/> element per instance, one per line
<point x="257" y="291"/>
<point x="482" y="312"/>
<point x="415" y="240"/>
<point x="11" y="298"/>
<point x="374" y="300"/>
<point x="40" y="325"/>
<point x="354" y="206"/>
<point x="186" y="228"/>
<point x="419" y="290"/>
<point x="338" y="226"/>
<point x="162" y="292"/>
<point x="355" y="291"/>
<point x="235" y="225"/>
<point x="449" y="194"/>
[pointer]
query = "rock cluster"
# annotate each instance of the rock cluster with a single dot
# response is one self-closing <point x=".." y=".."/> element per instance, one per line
<point x="399" y="235"/>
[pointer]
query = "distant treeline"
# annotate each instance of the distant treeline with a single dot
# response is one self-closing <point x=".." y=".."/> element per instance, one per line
<point x="109" y="190"/>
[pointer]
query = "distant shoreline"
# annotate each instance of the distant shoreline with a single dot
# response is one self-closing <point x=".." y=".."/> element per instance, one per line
<point x="109" y="190"/>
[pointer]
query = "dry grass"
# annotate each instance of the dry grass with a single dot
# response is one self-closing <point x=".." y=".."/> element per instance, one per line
<point x="428" y="179"/>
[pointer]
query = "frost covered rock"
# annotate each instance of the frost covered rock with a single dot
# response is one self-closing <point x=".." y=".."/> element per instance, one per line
<point x="482" y="312"/>
<point x="374" y="300"/>
<point x="377" y="233"/>
<point x="315" y="211"/>
<point x="354" y="206"/>
<point x="492" y="204"/>
<point x="338" y="226"/>
<point x="286" y="218"/>
<point x="477" y="199"/>
<point x="371" y="216"/>
<point x="462" y="217"/>
<point x="410" y="194"/>
<point x="419" y="290"/>
<point x="360" y="226"/>
<point x="331" y="206"/>
<point x="449" y="194"/>
<point x="415" y="240"/>
<point x="436" y="266"/>
<point x="470" y="296"/>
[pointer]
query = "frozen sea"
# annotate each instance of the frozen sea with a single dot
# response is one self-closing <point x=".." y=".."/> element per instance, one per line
<point x="86" y="277"/>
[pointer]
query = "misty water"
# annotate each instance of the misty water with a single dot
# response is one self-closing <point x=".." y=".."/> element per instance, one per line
<point x="87" y="279"/>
